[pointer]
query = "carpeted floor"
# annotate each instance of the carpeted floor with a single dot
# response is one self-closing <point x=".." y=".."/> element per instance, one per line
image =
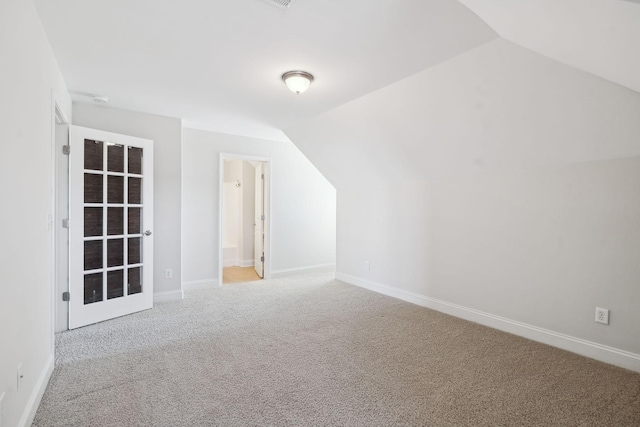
<point x="312" y="351"/>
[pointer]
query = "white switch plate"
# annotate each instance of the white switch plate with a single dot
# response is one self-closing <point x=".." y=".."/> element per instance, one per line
<point x="367" y="265"/>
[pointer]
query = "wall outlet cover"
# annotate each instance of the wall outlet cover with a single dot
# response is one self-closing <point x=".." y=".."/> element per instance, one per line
<point x="602" y="315"/>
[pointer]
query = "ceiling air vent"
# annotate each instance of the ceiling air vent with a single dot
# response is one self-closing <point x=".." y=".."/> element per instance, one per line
<point x="282" y="4"/>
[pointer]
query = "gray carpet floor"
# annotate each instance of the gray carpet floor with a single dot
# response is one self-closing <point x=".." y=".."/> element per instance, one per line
<point x="312" y="351"/>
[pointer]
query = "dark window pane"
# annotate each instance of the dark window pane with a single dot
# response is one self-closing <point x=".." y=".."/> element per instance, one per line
<point x="133" y="250"/>
<point x="115" y="221"/>
<point x="92" y="288"/>
<point x="135" y="280"/>
<point x="115" y="189"/>
<point x="135" y="191"/>
<point x="115" y="157"/>
<point x="135" y="160"/>
<point x="92" y="188"/>
<point x="92" y="254"/>
<point x="134" y="221"/>
<point x="115" y="284"/>
<point x="115" y="252"/>
<point x="93" y="152"/>
<point x="92" y="222"/>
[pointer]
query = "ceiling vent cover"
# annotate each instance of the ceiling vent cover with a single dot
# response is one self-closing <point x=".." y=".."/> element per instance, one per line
<point x="282" y="4"/>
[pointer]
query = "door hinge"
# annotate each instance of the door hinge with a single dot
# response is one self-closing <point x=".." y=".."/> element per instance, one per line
<point x="262" y="258"/>
<point x="66" y="296"/>
<point x="66" y="149"/>
<point x="65" y="223"/>
<point x="262" y="176"/>
<point x="262" y="217"/>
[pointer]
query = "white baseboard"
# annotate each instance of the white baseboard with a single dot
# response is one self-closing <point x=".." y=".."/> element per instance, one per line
<point x="237" y="263"/>
<point x="603" y="353"/>
<point x="36" y="395"/>
<point x="168" y="296"/>
<point x="200" y="284"/>
<point x="307" y="269"/>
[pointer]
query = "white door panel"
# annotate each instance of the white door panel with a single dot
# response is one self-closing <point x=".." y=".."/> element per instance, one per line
<point x="259" y="221"/>
<point x="111" y="223"/>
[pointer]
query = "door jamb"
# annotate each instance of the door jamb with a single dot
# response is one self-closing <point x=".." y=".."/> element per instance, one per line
<point x="56" y="305"/>
<point x="267" y="209"/>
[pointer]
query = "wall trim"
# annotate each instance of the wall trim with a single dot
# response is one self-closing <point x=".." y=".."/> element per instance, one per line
<point x="36" y="395"/>
<point x="308" y="269"/>
<point x="603" y="353"/>
<point x="168" y="296"/>
<point x="199" y="284"/>
<point x="247" y="263"/>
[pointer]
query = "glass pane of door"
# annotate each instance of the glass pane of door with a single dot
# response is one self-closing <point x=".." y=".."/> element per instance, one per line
<point x="113" y="206"/>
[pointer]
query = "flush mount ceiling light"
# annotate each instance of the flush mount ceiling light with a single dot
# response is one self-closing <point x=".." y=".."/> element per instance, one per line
<point x="297" y="81"/>
<point x="283" y="4"/>
<point x="100" y="99"/>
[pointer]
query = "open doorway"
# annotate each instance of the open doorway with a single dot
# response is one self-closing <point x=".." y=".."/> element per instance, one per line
<point x="244" y="230"/>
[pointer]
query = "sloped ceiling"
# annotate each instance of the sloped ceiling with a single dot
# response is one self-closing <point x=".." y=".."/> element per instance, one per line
<point x="548" y="92"/>
<point x="497" y="107"/>
<point x="217" y="65"/>
<point x="598" y="36"/>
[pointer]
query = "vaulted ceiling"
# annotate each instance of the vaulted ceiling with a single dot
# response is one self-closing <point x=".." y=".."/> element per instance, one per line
<point x="601" y="37"/>
<point x="217" y="64"/>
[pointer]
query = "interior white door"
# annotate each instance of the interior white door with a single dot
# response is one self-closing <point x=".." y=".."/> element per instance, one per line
<point x="258" y="256"/>
<point x="111" y="223"/>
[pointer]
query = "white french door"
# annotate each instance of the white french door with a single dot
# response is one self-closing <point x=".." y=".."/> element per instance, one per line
<point x="110" y="225"/>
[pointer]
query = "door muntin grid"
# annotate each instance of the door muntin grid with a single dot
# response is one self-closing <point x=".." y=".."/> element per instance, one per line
<point x="113" y="207"/>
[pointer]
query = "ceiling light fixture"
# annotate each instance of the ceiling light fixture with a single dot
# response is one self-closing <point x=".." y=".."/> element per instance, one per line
<point x="297" y="81"/>
<point x="101" y="99"/>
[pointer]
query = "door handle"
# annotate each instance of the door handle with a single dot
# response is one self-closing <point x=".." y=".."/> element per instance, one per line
<point x="147" y="233"/>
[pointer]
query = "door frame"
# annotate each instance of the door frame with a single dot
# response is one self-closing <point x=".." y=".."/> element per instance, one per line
<point x="60" y="196"/>
<point x="267" y="208"/>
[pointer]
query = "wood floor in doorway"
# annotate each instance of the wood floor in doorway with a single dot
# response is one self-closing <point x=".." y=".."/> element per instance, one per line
<point x="239" y="274"/>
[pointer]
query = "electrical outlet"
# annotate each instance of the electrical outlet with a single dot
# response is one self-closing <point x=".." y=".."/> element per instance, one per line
<point x="19" y="378"/>
<point x="168" y="273"/>
<point x="602" y="315"/>
<point x="367" y="265"/>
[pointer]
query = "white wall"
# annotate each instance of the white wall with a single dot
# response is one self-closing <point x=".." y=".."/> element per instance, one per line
<point x="302" y="209"/>
<point x="30" y="83"/>
<point x="166" y="133"/>
<point x="238" y="213"/>
<point x="501" y="186"/>
<point x="232" y="230"/>
<point x="231" y="211"/>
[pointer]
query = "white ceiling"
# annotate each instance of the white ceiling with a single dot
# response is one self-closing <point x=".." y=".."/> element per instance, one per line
<point x="598" y="36"/>
<point x="217" y="64"/>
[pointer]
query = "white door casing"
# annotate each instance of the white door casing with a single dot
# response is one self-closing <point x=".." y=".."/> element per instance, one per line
<point x="110" y="225"/>
<point x="61" y="206"/>
<point x="258" y="256"/>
